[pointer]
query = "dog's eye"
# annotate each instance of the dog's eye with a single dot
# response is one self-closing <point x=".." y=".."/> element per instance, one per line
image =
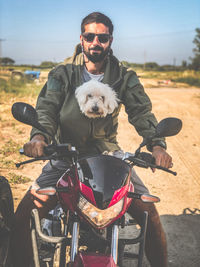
<point x="103" y="98"/>
<point x="89" y="95"/>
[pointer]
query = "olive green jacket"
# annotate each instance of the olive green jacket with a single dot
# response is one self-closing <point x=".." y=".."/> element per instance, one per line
<point x="59" y="112"/>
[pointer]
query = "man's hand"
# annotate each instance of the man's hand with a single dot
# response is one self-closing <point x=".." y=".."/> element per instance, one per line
<point x="35" y="147"/>
<point x="162" y="157"/>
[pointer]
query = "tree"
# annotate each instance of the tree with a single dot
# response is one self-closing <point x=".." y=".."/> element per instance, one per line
<point x="151" y="66"/>
<point x="184" y="64"/>
<point x="196" y="59"/>
<point x="48" y="64"/>
<point x="6" y="61"/>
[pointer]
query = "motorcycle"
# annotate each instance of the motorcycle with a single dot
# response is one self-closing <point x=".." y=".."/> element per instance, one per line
<point x="95" y="193"/>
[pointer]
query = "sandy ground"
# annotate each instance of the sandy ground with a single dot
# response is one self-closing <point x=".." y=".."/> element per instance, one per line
<point x="180" y="195"/>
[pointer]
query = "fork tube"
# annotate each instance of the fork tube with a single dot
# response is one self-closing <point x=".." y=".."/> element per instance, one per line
<point x="114" y="243"/>
<point x="35" y="248"/>
<point x="74" y="242"/>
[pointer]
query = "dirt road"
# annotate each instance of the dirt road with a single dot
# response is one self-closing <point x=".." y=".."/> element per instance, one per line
<point x="180" y="195"/>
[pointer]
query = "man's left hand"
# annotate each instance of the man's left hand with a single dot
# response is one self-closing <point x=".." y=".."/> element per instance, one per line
<point x="162" y="157"/>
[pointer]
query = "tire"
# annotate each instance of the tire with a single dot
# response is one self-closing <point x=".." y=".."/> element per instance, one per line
<point x="6" y="221"/>
<point x="17" y="75"/>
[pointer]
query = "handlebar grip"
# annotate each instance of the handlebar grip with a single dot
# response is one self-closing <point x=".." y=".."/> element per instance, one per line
<point x="59" y="148"/>
<point x="147" y="157"/>
<point x="49" y="150"/>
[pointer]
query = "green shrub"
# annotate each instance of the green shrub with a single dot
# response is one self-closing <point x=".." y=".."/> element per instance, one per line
<point x="10" y="147"/>
<point x="189" y="77"/>
<point x="18" y="179"/>
<point x="19" y="87"/>
<point x="189" y="80"/>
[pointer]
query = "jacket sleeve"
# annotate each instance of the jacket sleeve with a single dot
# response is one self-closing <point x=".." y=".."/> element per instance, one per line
<point x="49" y="103"/>
<point x="139" y="107"/>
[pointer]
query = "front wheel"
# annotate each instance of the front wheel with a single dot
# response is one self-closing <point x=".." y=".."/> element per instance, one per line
<point x="6" y="221"/>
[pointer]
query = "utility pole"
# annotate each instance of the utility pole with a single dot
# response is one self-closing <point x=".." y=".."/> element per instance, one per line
<point x="145" y="59"/>
<point x="174" y="61"/>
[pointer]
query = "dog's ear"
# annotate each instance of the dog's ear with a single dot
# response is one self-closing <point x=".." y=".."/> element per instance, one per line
<point x="111" y="106"/>
<point x="81" y="98"/>
<point x="111" y="101"/>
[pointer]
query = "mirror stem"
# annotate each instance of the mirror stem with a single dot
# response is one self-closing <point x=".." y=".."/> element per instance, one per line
<point x="144" y="142"/>
<point x="54" y="141"/>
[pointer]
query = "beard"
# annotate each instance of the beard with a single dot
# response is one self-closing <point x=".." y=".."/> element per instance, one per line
<point x="97" y="57"/>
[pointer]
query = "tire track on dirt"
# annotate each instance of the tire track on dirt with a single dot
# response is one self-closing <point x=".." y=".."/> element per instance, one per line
<point x="189" y="165"/>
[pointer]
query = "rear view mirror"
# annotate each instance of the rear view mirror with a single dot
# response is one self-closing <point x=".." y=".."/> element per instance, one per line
<point x="168" y="127"/>
<point x="25" y="113"/>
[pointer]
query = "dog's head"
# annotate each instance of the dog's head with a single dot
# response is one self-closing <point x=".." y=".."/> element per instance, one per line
<point x="96" y="99"/>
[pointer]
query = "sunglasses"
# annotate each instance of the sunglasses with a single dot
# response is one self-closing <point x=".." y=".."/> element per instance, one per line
<point x="102" y="37"/>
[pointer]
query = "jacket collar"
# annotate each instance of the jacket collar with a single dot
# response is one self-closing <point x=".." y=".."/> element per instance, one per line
<point x="113" y="75"/>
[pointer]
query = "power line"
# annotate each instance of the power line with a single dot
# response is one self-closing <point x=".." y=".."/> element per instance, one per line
<point x="157" y="35"/>
<point x="123" y="38"/>
<point x="45" y="41"/>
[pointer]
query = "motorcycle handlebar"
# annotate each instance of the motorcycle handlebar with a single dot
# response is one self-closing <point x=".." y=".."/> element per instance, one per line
<point x="53" y="151"/>
<point x="50" y="149"/>
<point x="146" y="160"/>
<point x="59" y="148"/>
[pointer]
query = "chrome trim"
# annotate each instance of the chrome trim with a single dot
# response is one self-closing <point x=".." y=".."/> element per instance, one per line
<point x="114" y="243"/>
<point x="74" y="242"/>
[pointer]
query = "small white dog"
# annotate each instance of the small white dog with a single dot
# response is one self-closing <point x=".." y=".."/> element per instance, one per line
<point x="96" y="99"/>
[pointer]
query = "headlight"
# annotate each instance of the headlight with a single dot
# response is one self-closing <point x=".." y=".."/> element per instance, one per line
<point x="99" y="218"/>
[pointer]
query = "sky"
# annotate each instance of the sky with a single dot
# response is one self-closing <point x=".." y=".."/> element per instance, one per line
<point x="144" y="30"/>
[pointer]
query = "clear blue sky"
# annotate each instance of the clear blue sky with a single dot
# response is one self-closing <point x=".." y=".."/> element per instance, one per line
<point x="145" y="30"/>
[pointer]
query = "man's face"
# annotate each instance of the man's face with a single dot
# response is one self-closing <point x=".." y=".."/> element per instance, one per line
<point x="96" y="47"/>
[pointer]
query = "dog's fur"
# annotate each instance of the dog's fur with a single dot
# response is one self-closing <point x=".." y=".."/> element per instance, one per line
<point x="96" y="99"/>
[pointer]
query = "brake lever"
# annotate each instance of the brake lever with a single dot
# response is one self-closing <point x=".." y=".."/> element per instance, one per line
<point x="162" y="168"/>
<point x="54" y="156"/>
<point x="31" y="160"/>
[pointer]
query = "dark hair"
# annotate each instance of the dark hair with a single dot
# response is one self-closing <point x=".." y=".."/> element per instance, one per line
<point x="98" y="18"/>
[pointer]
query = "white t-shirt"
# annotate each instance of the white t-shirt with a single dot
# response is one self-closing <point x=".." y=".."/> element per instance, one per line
<point x="87" y="76"/>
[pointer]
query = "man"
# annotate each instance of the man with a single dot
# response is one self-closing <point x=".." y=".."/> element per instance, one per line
<point x="59" y="112"/>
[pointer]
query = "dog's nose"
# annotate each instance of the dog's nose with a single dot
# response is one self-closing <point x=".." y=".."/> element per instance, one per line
<point x="95" y="109"/>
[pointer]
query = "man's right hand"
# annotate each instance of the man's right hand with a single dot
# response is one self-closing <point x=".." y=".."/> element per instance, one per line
<point x="35" y="147"/>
